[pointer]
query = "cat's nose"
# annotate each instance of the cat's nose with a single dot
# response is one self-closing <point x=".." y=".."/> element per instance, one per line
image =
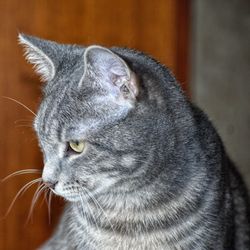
<point x="50" y="184"/>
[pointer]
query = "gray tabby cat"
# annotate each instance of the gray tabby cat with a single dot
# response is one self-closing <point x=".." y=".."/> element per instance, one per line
<point x="140" y="166"/>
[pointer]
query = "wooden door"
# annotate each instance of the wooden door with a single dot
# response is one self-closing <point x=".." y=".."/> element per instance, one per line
<point x="159" y="28"/>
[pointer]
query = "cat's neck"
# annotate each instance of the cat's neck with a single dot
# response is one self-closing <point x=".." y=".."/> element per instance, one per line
<point x="144" y="205"/>
<point x="142" y="212"/>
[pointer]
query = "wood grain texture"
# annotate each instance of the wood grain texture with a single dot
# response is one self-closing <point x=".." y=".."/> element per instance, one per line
<point x="159" y="28"/>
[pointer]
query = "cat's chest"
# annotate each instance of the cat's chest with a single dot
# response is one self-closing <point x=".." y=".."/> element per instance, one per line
<point x="94" y="233"/>
<point x="120" y="242"/>
<point x="94" y="238"/>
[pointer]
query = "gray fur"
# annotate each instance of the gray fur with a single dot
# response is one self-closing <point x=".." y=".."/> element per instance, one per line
<point x="153" y="161"/>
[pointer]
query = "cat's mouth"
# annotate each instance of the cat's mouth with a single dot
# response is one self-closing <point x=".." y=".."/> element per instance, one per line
<point x="71" y="192"/>
<point x="72" y="196"/>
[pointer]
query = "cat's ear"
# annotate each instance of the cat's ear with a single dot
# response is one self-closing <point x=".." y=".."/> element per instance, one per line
<point x="112" y="71"/>
<point x="39" y="52"/>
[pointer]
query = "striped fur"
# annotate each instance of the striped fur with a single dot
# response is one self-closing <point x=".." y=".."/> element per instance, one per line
<point x="154" y="173"/>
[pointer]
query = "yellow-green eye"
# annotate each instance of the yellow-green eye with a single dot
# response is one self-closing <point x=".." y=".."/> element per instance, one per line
<point x="77" y="146"/>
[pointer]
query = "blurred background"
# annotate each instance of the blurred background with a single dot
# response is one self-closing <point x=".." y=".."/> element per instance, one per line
<point x="206" y="43"/>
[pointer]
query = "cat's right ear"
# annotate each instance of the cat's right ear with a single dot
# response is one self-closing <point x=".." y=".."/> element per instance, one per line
<point x="40" y="52"/>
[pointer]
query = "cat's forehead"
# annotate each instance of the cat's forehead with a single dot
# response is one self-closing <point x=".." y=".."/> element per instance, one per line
<point x="67" y="115"/>
<point x="60" y="110"/>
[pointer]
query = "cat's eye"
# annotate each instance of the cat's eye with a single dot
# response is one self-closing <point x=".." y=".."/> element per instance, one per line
<point x="77" y="146"/>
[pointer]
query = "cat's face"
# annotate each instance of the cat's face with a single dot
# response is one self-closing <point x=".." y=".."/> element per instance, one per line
<point x="88" y="92"/>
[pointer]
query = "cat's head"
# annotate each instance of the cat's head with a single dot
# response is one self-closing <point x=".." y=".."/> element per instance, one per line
<point x="88" y="92"/>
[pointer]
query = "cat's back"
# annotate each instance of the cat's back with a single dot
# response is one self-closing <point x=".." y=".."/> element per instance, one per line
<point x="234" y="186"/>
<point x="241" y="209"/>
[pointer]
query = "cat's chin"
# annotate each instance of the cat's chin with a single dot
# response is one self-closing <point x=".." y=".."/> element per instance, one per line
<point x="68" y="197"/>
<point x="72" y="198"/>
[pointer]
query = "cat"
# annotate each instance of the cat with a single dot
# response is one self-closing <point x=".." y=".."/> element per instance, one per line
<point x="140" y="166"/>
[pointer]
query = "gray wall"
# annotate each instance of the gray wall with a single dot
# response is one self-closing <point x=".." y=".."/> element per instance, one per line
<point x="220" y="82"/>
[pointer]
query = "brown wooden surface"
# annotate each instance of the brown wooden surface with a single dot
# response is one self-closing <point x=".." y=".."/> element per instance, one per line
<point x="159" y="28"/>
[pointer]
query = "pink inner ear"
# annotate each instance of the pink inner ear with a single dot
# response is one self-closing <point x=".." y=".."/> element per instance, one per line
<point x="133" y="84"/>
<point x="128" y="80"/>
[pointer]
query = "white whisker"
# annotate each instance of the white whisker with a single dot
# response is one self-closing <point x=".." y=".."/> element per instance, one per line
<point x="49" y="205"/>
<point x="12" y="99"/>
<point x="86" y="214"/>
<point x="93" y="213"/>
<point x="83" y="209"/>
<point x="44" y="198"/>
<point x="22" y="190"/>
<point x="34" y="200"/>
<point x="99" y="205"/>
<point x="20" y="172"/>
<point x="23" y="120"/>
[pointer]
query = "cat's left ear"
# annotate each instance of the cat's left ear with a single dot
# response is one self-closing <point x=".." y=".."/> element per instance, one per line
<point x="112" y="71"/>
<point x="40" y="53"/>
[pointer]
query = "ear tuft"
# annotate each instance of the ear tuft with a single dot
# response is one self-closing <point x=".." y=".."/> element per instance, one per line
<point x="42" y="63"/>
